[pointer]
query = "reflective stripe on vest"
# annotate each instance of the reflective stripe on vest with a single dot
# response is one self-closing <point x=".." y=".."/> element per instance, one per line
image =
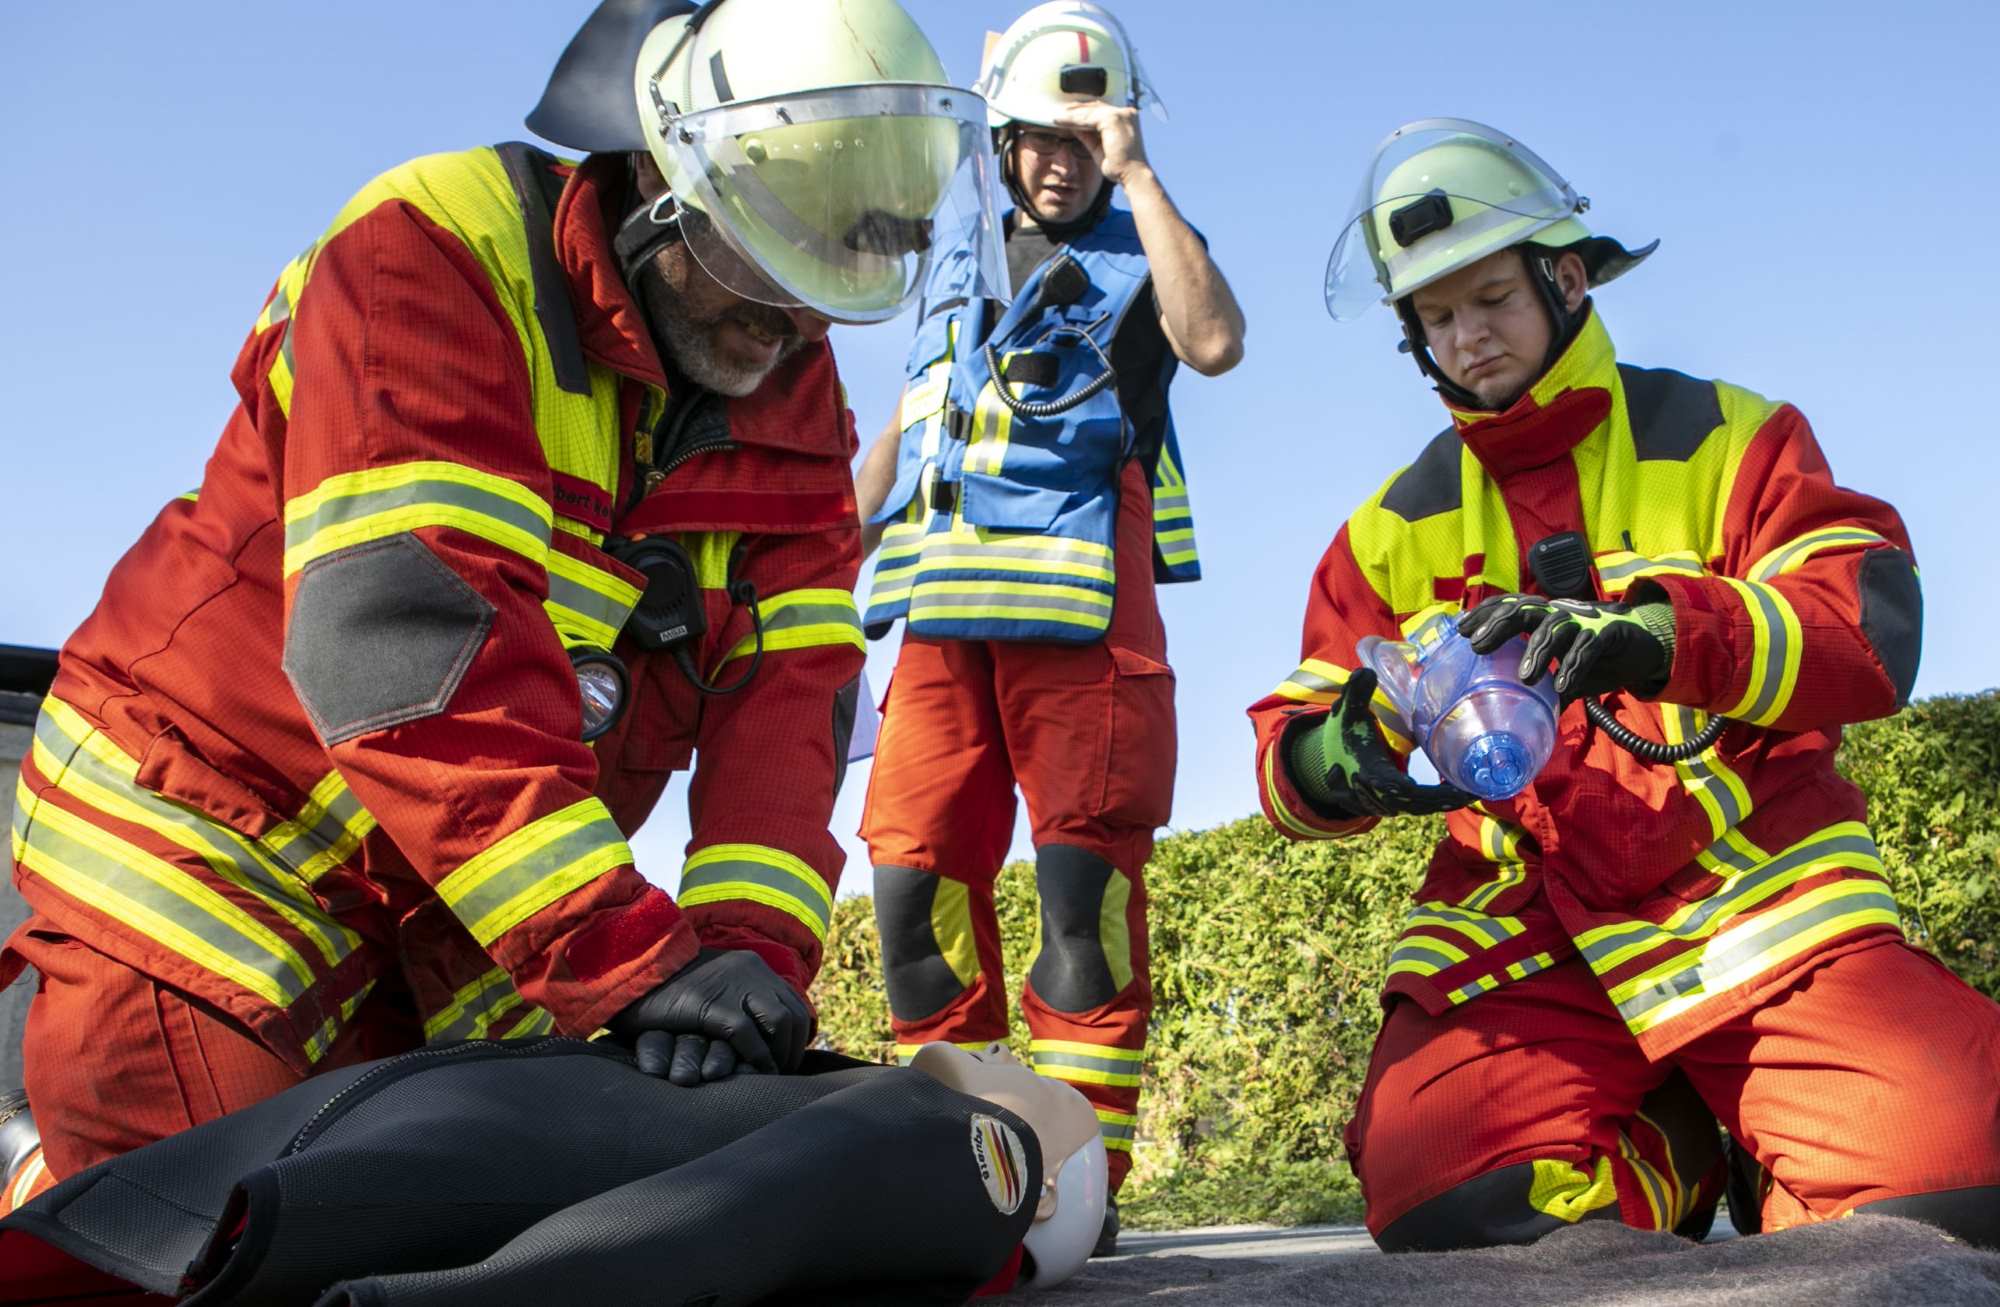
<point x="1004" y="523"/>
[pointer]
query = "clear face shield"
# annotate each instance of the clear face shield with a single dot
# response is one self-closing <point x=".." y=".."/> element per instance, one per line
<point x="1442" y="194"/>
<point x="836" y="200"/>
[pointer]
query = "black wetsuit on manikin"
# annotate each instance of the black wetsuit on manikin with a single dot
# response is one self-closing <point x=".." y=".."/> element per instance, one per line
<point x="549" y="1171"/>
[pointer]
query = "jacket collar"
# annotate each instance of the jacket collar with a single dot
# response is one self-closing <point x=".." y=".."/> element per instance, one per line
<point x="1570" y="401"/>
<point x="609" y="323"/>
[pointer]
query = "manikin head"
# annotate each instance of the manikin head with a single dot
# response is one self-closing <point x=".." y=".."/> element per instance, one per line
<point x="1489" y="327"/>
<point x="1070" y="1212"/>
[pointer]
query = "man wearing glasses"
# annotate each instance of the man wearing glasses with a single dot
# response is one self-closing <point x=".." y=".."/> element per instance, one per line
<point x="1028" y="496"/>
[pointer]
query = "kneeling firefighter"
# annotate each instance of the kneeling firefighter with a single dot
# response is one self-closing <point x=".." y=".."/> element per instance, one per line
<point x="538" y="488"/>
<point x="1683" y="918"/>
<point x="1029" y="495"/>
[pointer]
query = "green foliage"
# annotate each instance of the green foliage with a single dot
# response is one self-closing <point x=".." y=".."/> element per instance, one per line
<point x="1268" y="957"/>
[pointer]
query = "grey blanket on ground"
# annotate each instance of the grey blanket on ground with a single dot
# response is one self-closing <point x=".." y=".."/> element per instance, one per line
<point x="1866" y="1259"/>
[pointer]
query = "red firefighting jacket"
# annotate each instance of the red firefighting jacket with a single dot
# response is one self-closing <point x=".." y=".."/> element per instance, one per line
<point x="323" y="725"/>
<point x="1691" y="890"/>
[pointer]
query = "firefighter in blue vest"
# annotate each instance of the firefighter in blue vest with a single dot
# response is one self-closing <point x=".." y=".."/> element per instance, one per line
<point x="1027" y="497"/>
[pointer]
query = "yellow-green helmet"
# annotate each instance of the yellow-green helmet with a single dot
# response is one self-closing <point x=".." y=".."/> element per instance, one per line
<point x="1059" y="55"/>
<point x="1444" y="193"/>
<point x="816" y="153"/>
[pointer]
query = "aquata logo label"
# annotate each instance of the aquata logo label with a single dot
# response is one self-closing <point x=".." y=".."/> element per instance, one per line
<point x="1002" y="1164"/>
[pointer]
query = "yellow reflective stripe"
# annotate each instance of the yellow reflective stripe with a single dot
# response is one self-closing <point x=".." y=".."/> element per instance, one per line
<point x="1651" y="1184"/>
<point x="992" y="424"/>
<point x="1500" y="842"/>
<point x="352" y="1004"/>
<point x="804" y="619"/>
<point x="1791" y="555"/>
<point x="325" y="834"/>
<point x="533" y="867"/>
<point x="1424" y="955"/>
<point x="284" y="300"/>
<point x="1679" y="1200"/>
<point x="1570" y="1193"/>
<point x="1494" y="888"/>
<point x="1090" y="1064"/>
<point x="1117" y="1129"/>
<point x="87" y="765"/>
<point x="442" y="1024"/>
<point x="1715" y="786"/>
<point x="354" y="507"/>
<point x="1775" y="650"/>
<point x="164" y="903"/>
<point x="1482" y="930"/>
<point x="538" y="1021"/>
<point x="723" y="873"/>
<point x="1290" y="820"/>
<point x="586" y="601"/>
<point x="1318" y="681"/>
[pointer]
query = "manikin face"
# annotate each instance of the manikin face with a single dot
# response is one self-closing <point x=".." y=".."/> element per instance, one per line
<point x="1063" y="1121"/>
<point x="1487" y="326"/>
<point x="720" y="340"/>
<point x="1056" y="172"/>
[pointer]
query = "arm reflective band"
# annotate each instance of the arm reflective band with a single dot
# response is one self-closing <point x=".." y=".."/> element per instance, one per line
<point x="355" y="507"/>
<point x="723" y="873"/>
<point x="1776" y="643"/>
<point x="533" y="867"/>
<point x="804" y="619"/>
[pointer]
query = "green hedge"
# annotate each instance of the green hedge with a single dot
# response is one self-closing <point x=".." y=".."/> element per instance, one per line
<point x="1267" y="960"/>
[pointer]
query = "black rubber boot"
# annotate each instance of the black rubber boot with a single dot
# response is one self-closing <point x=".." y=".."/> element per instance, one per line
<point x="1107" y="1238"/>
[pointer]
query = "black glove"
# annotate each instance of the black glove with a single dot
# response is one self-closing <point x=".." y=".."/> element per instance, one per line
<point x="1597" y="645"/>
<point x="1343" y="762"/>
<point x="729" y="999"/>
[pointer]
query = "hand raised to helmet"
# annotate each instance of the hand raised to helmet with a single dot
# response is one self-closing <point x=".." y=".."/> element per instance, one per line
<point x="1111" y="134"/>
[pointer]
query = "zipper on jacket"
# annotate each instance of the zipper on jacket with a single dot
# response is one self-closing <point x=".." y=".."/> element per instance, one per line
<point x="654" y="473"/>
<point x="404" y="1064"/>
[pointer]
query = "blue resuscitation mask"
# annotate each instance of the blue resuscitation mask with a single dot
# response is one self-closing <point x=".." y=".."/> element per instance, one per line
<point x="1482" y="729"/>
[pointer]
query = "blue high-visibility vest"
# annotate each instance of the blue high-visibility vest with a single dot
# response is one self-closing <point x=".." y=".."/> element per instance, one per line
<point x="1002" y="525"/>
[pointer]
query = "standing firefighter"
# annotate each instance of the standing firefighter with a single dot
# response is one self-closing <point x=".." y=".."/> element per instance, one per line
<point x="538" y="487"/>
<point x="1030" y="495"/>
<point x="1684" y="913"/>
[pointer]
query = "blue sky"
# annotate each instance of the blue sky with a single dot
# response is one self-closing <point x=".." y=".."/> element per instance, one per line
<point x="1822" y="177"/>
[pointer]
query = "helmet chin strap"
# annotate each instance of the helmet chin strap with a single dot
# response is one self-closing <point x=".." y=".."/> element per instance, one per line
<point x="1564" y="323"/>
<point x="1010" y="175"/>
<point x="650" y="227"/>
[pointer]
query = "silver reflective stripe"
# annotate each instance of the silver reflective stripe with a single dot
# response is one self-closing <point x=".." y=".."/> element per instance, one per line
<point x="1732" y="893"/>
<point x="1127" y="1066"/>
<point x="1710" y="961"/>
<point x="338" y="822"/>
<point x="741" y="871"/>
<point x="1313" y="681"/>
<point x="453" y="494"/>
<point x="591" y="604"/>
<point x="1813" y="543"/>
<point x="1631" y="567"/>
<point x="941" y="548"/>
<point x="1490" y="927"/>
<point x="148" y="894"/>
<point x="518" y="878"/>
<point x="1774" y="662"/>
<point x="796" y="615"/>
<point x="227" y="858"/>
<point x="1056" y="602"/>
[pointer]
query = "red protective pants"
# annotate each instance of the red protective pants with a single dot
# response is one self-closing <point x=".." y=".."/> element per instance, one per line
<point x="1876" y="1075"/>
<point x="1087" y="732"/>
<point x="115" y="1059"/>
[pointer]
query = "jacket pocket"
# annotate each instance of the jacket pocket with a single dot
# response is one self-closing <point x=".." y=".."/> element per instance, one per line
<point x="1141" y="746"/>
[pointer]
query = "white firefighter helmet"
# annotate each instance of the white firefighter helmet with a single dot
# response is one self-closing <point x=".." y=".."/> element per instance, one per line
<point x="1058" y="55"/>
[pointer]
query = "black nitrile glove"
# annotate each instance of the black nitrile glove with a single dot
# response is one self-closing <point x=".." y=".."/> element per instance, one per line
<point x="1597" y="645"/>
<point x="1344" y="764"/>
<point x="729" y="999"/>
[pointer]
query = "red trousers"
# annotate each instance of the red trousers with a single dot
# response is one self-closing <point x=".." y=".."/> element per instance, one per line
<point x="1874" y="1076"/>
<point x="115" y="1059"/>
<point x="1087" y="733"/>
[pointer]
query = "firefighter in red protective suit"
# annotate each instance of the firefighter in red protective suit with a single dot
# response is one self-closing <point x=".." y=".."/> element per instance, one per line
<point x="539" y="487"/>
<point x="1030" y="494"/>
<point x="1627" y="950"/>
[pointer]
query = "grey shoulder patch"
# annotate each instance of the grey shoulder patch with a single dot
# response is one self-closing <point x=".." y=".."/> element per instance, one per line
<point x="381" y="634"/>
<point x="1892" y="616"/>
<point x="1671" y="413"/>
<point x="1430" y="485"/>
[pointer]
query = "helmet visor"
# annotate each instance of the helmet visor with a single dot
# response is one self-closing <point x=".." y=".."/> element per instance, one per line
<point x="836" y="200"/>
<point x="1442" y="194"/>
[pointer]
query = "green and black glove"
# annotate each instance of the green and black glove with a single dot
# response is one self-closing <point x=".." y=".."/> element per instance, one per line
<point x="1597" y="646"/>
<point x="1343" y="764"/>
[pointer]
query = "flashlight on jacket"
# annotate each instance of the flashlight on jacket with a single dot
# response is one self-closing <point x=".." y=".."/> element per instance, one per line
<point x="604" y="686"/>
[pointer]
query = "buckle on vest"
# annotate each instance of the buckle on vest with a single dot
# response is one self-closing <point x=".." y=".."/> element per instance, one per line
<point x="957" y="423"/>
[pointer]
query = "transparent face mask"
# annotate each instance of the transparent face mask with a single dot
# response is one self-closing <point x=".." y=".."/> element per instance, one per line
<point x="837" y="200"/>
<point x="1442" y="194"/>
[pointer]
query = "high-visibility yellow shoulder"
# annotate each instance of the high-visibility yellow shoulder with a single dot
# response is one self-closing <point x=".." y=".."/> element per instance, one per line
<point x="464" y="191"/>
<point x="1425" y="522"/>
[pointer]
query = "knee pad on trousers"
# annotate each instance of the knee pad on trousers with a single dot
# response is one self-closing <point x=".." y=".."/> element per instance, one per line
<point x="1971" y="1215"/>
<point x="1086" y="954"/>
<point x="1485" y="1211"/>
<point x="928" y="954"/>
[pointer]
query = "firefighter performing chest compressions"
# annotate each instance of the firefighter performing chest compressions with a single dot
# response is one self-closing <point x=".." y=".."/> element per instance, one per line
<point x="538" y="488"/>
<point x="1029" y="495"/>
<point x="1682" y="918"/>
